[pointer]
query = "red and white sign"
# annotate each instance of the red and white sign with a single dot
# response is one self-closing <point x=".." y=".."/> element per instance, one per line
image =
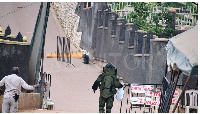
<point x="140" y="88"/>
<point x="148" y="101"/>
<point x="137" y="100"/>
<point x="147" y="89"/>
<point x="176" y="93"/>
<point x="153" y="94"/>
<point x="174" y="100"/>
<point x="141" y="100"/>
<point x="155" y="103"/>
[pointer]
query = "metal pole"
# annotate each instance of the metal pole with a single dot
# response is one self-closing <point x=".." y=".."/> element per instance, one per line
<point x="63" y="46"/>
<point x="171" y="73"/>
<point x="193" y="10"/>
<point x="166" y="66"/>
<point x="57" y="48"/>
<point x="181" y="94"/>
<point x="173" y="90"/>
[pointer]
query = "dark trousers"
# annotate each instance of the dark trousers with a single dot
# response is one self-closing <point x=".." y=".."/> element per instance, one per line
<point x="109" y="104"/>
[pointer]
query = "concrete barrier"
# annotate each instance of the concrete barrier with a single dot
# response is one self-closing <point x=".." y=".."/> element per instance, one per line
<point x="27" y="101"/>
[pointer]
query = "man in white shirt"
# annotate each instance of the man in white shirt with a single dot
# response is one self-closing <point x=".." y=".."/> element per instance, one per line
<point x="13" y="84"/>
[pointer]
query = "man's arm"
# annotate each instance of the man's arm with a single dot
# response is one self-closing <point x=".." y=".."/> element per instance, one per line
<point x="2" y="82"/>
<point x="117" y="83"/>
<point x="28" y="87"/>
<point x="1" y="91"/>
<point x="97" y="82"/>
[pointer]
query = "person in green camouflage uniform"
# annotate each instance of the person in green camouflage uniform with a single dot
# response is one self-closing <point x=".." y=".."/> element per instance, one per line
<point x="107" y="92"/>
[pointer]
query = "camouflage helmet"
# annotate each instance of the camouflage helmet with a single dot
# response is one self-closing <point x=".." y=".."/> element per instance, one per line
<point x="109" y="65"/>
<point x="110" y="68"/>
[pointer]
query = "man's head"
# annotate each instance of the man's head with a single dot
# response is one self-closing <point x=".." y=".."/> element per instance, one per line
<point x="15" y="70"/>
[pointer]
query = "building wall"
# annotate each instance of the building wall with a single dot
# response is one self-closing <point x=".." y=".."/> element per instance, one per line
<point x="109" y="38"/>
<point x="88" y="25"/>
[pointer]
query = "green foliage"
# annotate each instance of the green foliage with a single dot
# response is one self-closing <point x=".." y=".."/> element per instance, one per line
<point x="155" y="27"/>
<point x="188" y="4"/>
<point x="142" y="11"/>
<point x="140" y="8"/>
<point x="173" y="4"/>
<point x="167" y="30"/>
<point x="140" y="15"/>
<point x="139" y="18"/>
<point x="122" y="5"/>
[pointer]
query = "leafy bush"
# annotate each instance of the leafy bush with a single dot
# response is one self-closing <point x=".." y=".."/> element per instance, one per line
<point x="142" y="10"/>
<point x="141" y="13"/>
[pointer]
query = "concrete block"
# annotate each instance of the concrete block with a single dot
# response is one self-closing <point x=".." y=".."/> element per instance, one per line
<point x="27" y="101"/>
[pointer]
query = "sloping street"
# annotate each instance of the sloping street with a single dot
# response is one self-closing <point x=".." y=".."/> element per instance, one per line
<point x="71" y="88"/>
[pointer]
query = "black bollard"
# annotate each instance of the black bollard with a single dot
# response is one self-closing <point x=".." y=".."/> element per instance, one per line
<point x="86" y="59"/>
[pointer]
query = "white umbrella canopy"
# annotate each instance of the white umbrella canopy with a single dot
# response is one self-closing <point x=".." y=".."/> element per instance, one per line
<point x="182" y="50"/>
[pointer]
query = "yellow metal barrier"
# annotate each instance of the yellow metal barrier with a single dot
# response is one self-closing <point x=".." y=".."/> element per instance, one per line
<point x="73" y="55"/>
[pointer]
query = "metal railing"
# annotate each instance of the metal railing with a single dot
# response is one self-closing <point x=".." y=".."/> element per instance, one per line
<point x="63" y="49"/>
<point x="37" y="43"/>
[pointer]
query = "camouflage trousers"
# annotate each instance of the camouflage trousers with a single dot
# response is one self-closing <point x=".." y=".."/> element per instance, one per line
<point x="109" y="104"/>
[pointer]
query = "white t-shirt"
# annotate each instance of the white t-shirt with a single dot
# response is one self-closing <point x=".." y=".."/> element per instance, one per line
<point x="13" y="85"/>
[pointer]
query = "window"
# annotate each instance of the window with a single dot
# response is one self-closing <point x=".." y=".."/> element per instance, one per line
<point x="85" y="5"/>
<point x="89" y="4"/>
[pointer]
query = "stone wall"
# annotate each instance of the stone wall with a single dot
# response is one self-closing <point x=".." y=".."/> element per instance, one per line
<point x="89" y="32"/>
<point x="138" y="56"/>
<point x="14" y="54"/>
<point x="158" y="57"/>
